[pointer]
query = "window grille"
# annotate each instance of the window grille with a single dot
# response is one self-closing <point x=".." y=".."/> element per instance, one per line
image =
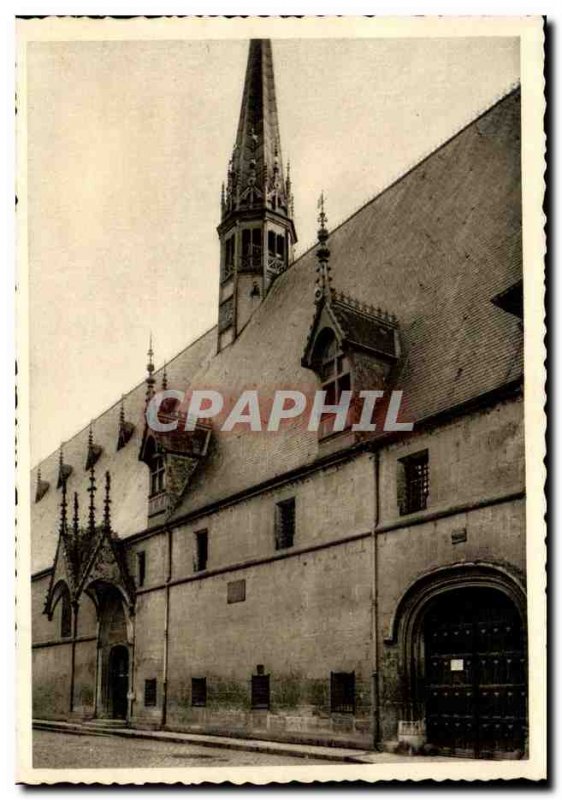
<point x="414" y="490"/>
<point x="342" y="693"/>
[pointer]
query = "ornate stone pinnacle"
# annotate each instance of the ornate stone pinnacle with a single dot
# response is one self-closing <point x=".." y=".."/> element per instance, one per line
<point x="92" y="506"/>
<point x="150" y="372"/>
<point x="75" y="519"/>
<point x="164" y="378"/>
<point x="324" y="288"/>
<point x="107" y="503"/>
<point x="63" y="506"/>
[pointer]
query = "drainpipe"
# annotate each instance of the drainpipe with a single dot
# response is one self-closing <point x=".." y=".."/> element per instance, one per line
<point x="376" y="679"/>
<point x="166" y="631"/>
<point x="73" y="651"/>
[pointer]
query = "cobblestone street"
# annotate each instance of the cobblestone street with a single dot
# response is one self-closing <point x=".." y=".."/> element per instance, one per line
<point x="62" y="751"/>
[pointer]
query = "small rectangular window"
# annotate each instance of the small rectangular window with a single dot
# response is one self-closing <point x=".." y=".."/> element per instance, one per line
<point x="260" y="691"/>
<point x="150" y="692"/>
<point x="199" y="691"/>
<point x="285" y="524"/>
<point x="342" y="694"/>
<point x="141" y="567"/>
<point x="202" y="550"/>
<point x="413" y="482"/>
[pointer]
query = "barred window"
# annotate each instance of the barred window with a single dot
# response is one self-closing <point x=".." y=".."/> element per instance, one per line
<point x="150" y="692"/>
<point x="285" y="524"/>
<point x="342" y="692"/>
<point x="260" y="691"/>
<point x="199" y="691"/>
<point x="413" y="482"/>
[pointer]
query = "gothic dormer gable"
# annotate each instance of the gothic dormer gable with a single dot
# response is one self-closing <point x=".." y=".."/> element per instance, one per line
<point x="172" y="449"/>
<point x="125" y="428"/>
<point x="87" y="550"/>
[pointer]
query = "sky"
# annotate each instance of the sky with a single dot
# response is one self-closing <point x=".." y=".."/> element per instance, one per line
<point x="127" y="146"/>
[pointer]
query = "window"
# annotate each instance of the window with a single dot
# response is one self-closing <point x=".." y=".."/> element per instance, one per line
<point x="228" y="258"/>
<point x="334" y="371"/>
<point x="199" y="691"/>
<point x="285" y="524"/>
<point x="65" y="616"/>
<point x="342" y="692"/>
<point x="150" y="692"/>
<point x="413" y="482"/>
<point x="141" y="568"/>
<point x="260" y="691"/>
<point x="251" y="248"/>
<point x="157" y="475"/>
<point x="201" y="550"/>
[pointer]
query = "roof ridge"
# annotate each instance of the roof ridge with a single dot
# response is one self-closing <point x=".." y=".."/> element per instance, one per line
<point x="498" y="98"/>
<point x="125" y="395"/>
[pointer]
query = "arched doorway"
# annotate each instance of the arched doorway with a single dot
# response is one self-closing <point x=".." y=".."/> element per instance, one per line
<point x="473" y="676"/>
<point x="113" y="648"/>
<point x="118" y="681"/>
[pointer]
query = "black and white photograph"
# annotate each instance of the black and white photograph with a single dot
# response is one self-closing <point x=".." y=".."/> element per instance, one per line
<point x="281" y="416"/>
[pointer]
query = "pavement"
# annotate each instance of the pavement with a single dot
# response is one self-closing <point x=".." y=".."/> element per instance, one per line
<point x="164" y="748"/>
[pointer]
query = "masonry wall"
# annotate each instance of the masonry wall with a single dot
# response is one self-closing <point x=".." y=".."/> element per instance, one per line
<point x="52" y="658"/>
<point x="307" y="612"/>
<point x="476" y="462"/>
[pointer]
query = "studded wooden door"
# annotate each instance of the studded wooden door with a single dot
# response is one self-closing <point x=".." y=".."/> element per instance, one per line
<point x="475" y="682"/>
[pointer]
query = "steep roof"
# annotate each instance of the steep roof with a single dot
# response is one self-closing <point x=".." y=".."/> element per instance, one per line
<point x="434" y="249"/>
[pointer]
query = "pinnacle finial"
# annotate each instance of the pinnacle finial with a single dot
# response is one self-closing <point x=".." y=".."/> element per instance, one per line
<point x="75" y="519"/>
<point x="324" y="279"/>
<point x="122" y="412"/>
<point x="107" y="503"/>
<point x="92" y="506"/>
<point x="165" y="378"/>
<point x="63" y="507"/>
<point x="150" y="371"/>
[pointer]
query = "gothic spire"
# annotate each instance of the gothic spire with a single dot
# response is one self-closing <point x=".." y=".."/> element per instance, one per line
<point x="255" y="175"/>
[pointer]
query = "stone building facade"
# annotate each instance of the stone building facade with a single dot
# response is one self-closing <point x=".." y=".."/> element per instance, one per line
<point x="362" y="589"/>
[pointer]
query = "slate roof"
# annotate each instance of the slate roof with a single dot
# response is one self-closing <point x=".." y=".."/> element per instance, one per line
<point x="434" y="248"/>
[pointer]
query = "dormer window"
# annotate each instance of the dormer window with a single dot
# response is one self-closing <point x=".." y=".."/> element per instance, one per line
<point x="157" y="475"/>
<point x="333" y="368"/>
